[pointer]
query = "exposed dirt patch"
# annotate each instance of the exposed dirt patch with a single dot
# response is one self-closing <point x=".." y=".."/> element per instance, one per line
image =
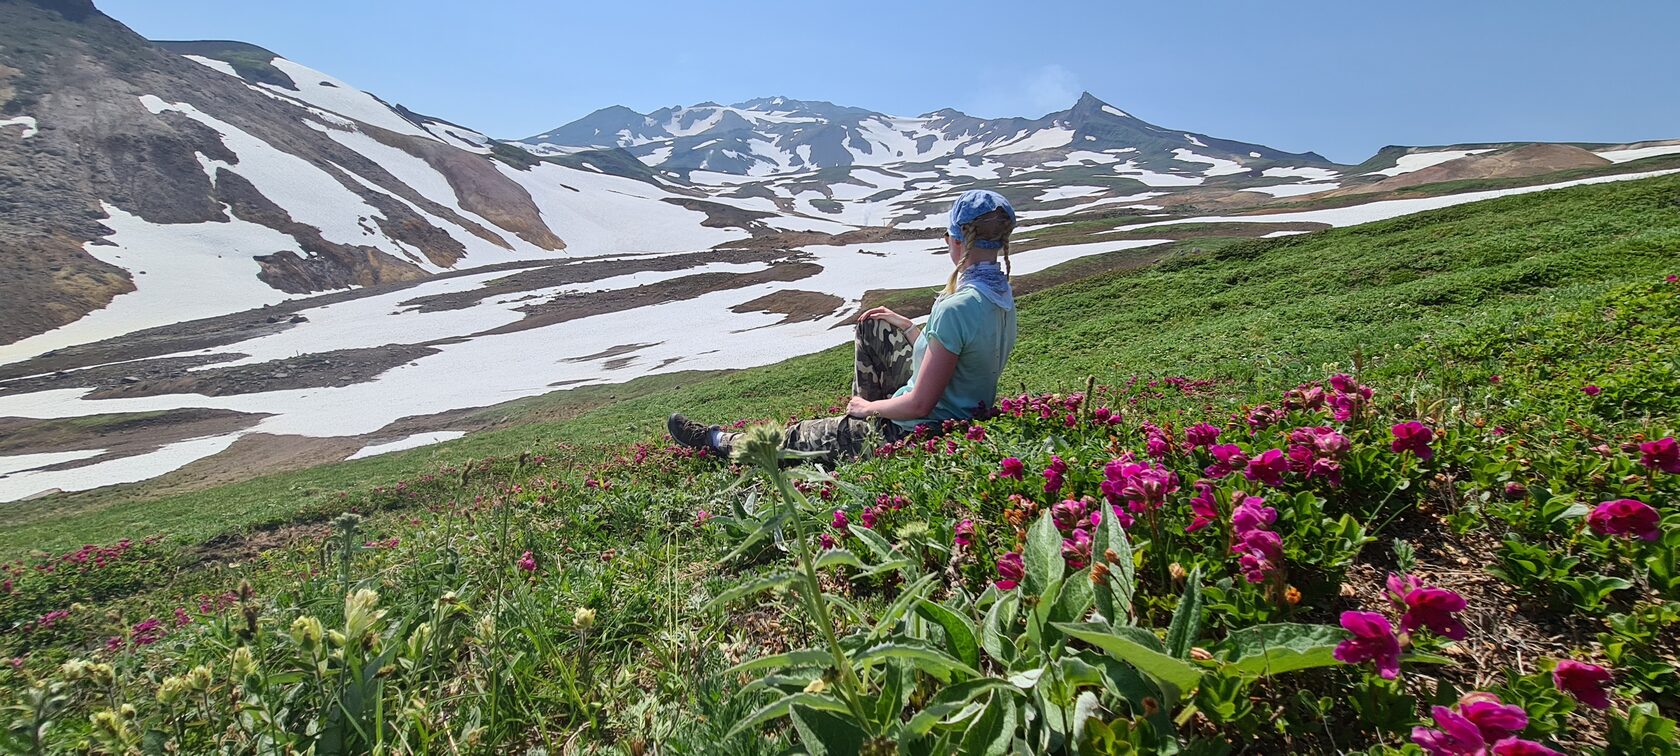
<point x="719" y="215"/>
<point x="613" y="351"/>
<point x="344" y="367"/>
<point x="121" y="434"/>
<point x="568" y="307"/>
<point x="251" y="456"/>
<point x="791" y="239"/>
<point x="1522" y="162"/>
<point x="110" y="376"/>
<point x="240" y="547"/>
<point x="583" y="271"/>
<point x="796" y="305"/>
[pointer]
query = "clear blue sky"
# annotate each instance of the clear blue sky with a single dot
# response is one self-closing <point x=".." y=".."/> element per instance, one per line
<point x="1338" y="77"/>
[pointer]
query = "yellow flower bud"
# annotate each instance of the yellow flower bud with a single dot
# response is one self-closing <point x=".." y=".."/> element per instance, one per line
<point x="583" y="618"/>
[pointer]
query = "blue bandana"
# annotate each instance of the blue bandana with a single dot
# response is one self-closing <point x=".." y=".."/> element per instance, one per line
<point x="988" y="279"/>
<point x="971" y="205"/>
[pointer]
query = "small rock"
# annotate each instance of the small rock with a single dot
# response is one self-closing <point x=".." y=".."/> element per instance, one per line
<point x="343" y="379"/>
<point x="299" y="319"/>
<point x="129" y="379"/>
<point x="272" y="319"/>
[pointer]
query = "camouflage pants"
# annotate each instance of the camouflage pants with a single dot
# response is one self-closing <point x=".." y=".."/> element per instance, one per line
<point x="882" y="366"/>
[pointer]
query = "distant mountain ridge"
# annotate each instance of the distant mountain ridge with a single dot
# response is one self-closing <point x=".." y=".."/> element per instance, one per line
<point x="772" y="135"/>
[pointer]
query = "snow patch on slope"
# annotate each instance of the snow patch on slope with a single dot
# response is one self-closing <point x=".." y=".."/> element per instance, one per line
<point x="1623" y="156"/>
<point x="30" y="127"/>
<point x="325" y="92"/>
<point x="1418" y="161"/>
<point x="181" y="271"/>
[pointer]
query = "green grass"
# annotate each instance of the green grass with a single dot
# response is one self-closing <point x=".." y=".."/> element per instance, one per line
<point x="1258" y="314"/>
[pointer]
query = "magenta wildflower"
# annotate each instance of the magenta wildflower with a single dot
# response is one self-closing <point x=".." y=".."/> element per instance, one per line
<point x="1204" y="510"/>
<point x="1415" y="437"/>
<point x="1493" y="718"/>
<point x="1011" y="468"/>
<point x="1068" y="513"/>
<point x="1226" y="458"/>
<point x="1591" y="390"/>
<point x="1076" y="549"/>
<point x="1053" y="475"/>
<point x="1250" y="513"/>
<point x="840" y="521"/>
<point x="1662" y="454"/>
<point x="1514" y="746"/>
<point x="870" y="515"/>
<point x="975" y="433"/>
<point x="1011" y="570"/>
<point x="826" y="540"/>
<point x="1587" y="683"/>
<point x="965" y="532"/>
<point x="701" y="517"/>
<point x="1481" y="719"/>
<point x="1426" y="606"/>
<point x="1373" y="640"/>
<point x="1625" y="517"/>
<point x="1201" y="435"/>
<point x="527" y="562"/>
<point x="1268" y="468"/>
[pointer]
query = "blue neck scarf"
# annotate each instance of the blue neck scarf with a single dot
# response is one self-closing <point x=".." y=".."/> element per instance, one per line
<point x="988" y="279"/>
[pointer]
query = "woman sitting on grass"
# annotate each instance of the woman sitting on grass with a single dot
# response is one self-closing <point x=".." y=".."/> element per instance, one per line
<point x="951" y="371"/>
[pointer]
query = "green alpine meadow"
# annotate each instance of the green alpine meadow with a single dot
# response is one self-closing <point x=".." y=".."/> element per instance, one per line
<point x="1406" y="487"/>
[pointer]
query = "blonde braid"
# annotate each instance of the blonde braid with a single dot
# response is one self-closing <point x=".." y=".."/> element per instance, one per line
<point x="967" y="242"/>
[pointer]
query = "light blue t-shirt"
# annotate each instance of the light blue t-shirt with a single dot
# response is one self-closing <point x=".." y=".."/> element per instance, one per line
<point x="982" y="335"/>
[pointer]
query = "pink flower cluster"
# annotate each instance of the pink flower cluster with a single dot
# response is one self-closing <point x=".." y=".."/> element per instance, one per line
<point x="1415" y="437"/>
<point x="1143" y="488"/>
<point x="1626" y="517"/>
<point x="1226" y="458"/>
<point x="527" y="562"/>
<point x="1373" y="641"/>
<point x="1316" y="453"/>
<point x="1259" y="550"/>
<point x="963" y="535"/>
<point x="1268" y="468"/>
<point x="1662" y="454"/>
<point x="1481" y="725"/>
<point x="1426" y="606"/>
<point x="1076" y="518"/>
<point x="1587" y="683"/>
<point x="1011" y="570"/>
<point x="1055" y="475"/>
<point x="1011" y="468"/>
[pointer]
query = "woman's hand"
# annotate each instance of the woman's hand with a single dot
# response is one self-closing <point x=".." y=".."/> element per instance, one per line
<point x="860" y="407"/>
<point x="893" y="319"/>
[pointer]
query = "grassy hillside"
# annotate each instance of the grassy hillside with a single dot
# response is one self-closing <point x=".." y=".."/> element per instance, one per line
<point x="578" y="587"/>
<point x="1261" y="313"/>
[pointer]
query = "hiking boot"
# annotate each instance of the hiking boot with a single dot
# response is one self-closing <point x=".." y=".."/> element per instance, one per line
<point x="691" y="434"/>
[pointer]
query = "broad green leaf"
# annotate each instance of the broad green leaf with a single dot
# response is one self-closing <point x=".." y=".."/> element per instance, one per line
<point x="771" y="525"/>
<point x="824" y="731"/>
<point x="901" y="606"/>
<point x="834" y="557"/>
<point x="1043" y="556"/>
<point x="1174" y="672"/>
<point x="781" y="707"/>
<point x="989" y="734"/>
<point x="959" y="631"/>
<point x="1122" y="574"/>
<point x="805" y="657"/>
<point x="1074" y="600"/>
<point x="1263" y="650"/>
<point x="751" y="587"/>
<point x="996" y="632"/>
<point x="954" y="699"/>
<point x="882" y="549"/>
<point x="926" y="658"/>
<point x="895" y="681"/>
<point x="1187" y="619"/>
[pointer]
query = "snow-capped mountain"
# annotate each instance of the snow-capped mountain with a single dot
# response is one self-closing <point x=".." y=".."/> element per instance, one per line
<point x="779" y="135"/>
